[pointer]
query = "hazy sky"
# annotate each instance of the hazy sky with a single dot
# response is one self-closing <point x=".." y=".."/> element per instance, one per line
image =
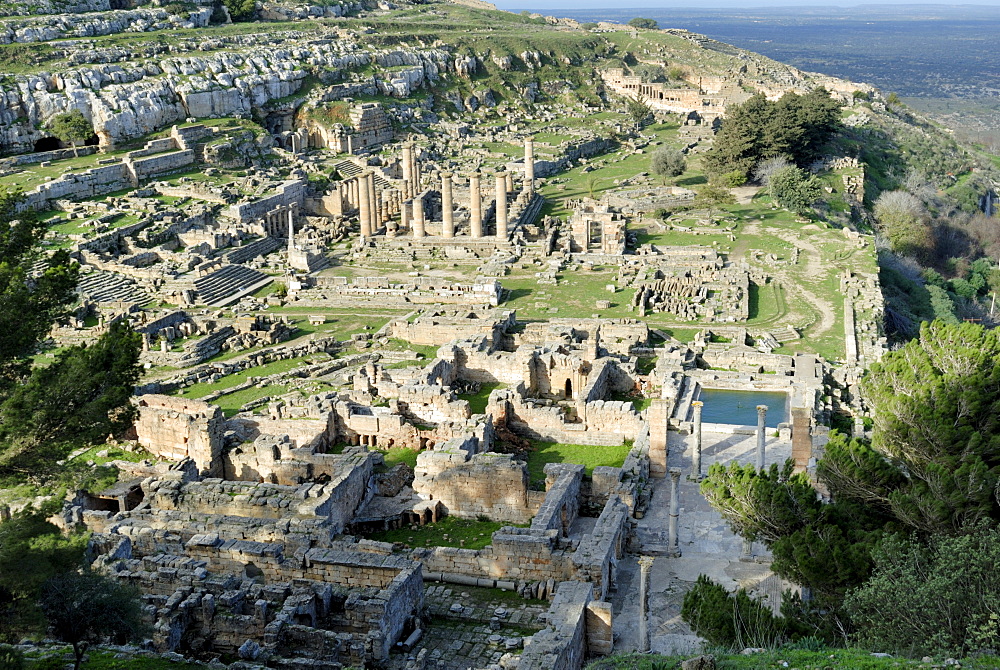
<point x="540" y="5"/>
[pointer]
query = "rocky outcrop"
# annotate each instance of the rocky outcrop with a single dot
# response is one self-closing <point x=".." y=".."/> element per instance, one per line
<point x="130" y="100"/>
<point x="46" y="28"/>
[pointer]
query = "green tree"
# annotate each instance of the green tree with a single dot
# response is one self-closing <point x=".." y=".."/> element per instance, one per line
<point x="589" y="25"/>
<point x="667" y="162"/>
<point x="639" y="22"/>
<point x="81" y="398"/>
<point x="712" y="197"/>
<point x="241" y="10"/>
<point x="637" y="108"/>
<point x="29" y="302"/>
<point x="72" y="127"/>
<point x="795" y="189"/>
<point x="32" y="550"/>
<point x="795" y="126"/>
<point x="937" y="418"/>
<point x="85" y="607"/>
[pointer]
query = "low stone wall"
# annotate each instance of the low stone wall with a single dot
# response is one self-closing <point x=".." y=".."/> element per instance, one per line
<point x="563" y="645"/>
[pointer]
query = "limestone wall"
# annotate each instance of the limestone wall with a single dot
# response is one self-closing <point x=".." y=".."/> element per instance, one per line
<point x="175" y="428"/>
<point x="489" y="484"/>
<point x="563" y="645"/>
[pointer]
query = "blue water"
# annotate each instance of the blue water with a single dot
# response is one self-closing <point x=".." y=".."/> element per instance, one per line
<point x="740" y="407"/>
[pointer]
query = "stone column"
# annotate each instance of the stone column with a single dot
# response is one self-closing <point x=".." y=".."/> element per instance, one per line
<point x="355" y="193"/>
<point x="673" y="547"/>
<point x="373" y="205"/>
<point x="447" y="207"/>
<point x="529" y="165"/>
<point x="696" y="454"/>
<point x="475" y="207"/>
<point x="501" y="208"/>
<point x="364" y="207"/>
<point x="747" y="555"/>
<point x="645" y="563"/>
<point x="510" y="183"/>
<point x="761" y="416"/>
<point x="404" y="214"/>
<point x="291" y="230"/>
<point x="418" y="217"/>
<point x="407" y="161"/>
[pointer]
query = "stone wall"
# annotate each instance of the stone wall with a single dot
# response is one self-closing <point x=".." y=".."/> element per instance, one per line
<point x="489" y="484"/>
<point x="176" y="428"/>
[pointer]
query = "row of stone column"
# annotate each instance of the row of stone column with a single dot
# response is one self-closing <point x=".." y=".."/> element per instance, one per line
<point x="696" y="406"/>
<point x="413" y="211"/>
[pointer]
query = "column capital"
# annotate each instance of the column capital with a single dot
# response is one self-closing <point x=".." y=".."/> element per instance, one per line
<point x="646" y="562"/>
<point x="697" y="403"/>
<point x="675" y="474"/>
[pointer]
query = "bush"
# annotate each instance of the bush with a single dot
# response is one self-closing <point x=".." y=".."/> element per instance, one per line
<point x="241" y="10"/>
<point x="729" y="620"/>
<point x="932" y="598"/>
<point x="11" y="658"/>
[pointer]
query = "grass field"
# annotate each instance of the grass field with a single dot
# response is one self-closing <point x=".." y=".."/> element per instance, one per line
<point x="448" y="532"/>
<point x="589" y="456"/>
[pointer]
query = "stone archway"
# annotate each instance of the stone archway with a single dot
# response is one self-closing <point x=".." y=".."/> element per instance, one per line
<point x="569" y="388"/>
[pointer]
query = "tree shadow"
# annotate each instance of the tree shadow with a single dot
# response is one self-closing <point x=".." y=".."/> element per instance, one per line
<point x="692" y="181"/>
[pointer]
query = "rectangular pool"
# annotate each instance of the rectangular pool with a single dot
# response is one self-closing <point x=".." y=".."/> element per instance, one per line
<point x="740" y="407"/>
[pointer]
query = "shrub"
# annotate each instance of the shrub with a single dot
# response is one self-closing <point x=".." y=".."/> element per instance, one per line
<point x="729" y="620"/>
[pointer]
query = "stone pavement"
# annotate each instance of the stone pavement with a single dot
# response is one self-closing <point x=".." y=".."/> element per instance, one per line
<point x="472" y="627"/>
<point x="706" y="543"/>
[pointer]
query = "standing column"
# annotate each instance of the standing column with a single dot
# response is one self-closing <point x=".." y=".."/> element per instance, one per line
<point x="761" y="416"/>
<point x="355" y="193"/>
<point x="696" y="456"/>
<point x="408" y="163"/>
<point x="373" y="208"/>
<point x="673" y="546"/>
<point x="501" y="208"/>
<point x="291" y="230"/>
<point x="404" y="215"/>
<point x="645" y="563"/>
<point x="529" y="165"/>
<point x="364" y="207"/>
<point x="447" y="207"/>
<point x="475" y="206"/>
<point x="418" y="217"/>
<point x="510" y="183"/>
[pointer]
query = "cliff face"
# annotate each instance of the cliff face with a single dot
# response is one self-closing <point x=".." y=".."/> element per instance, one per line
<point x="130" y="100"/>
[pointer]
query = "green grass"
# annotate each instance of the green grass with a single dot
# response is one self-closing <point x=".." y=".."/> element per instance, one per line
<point x="589" y="456"/>
<point x="396" y="455"/>
<point x="478" y="401"/>
<point x="448" y="532"/>
<point x="114" y="454"/>
<point x="105" y="660"/>
<point x="854" y="659"/>
<point x="232" y="402"/>
<point x="202" y="389"/>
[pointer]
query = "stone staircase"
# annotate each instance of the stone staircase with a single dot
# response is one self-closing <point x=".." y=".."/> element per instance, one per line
<point x="348" y="169"/>
<point x="101" y="286"/>
<point x="261" y="247"/>
<point x="229" y="284"/>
